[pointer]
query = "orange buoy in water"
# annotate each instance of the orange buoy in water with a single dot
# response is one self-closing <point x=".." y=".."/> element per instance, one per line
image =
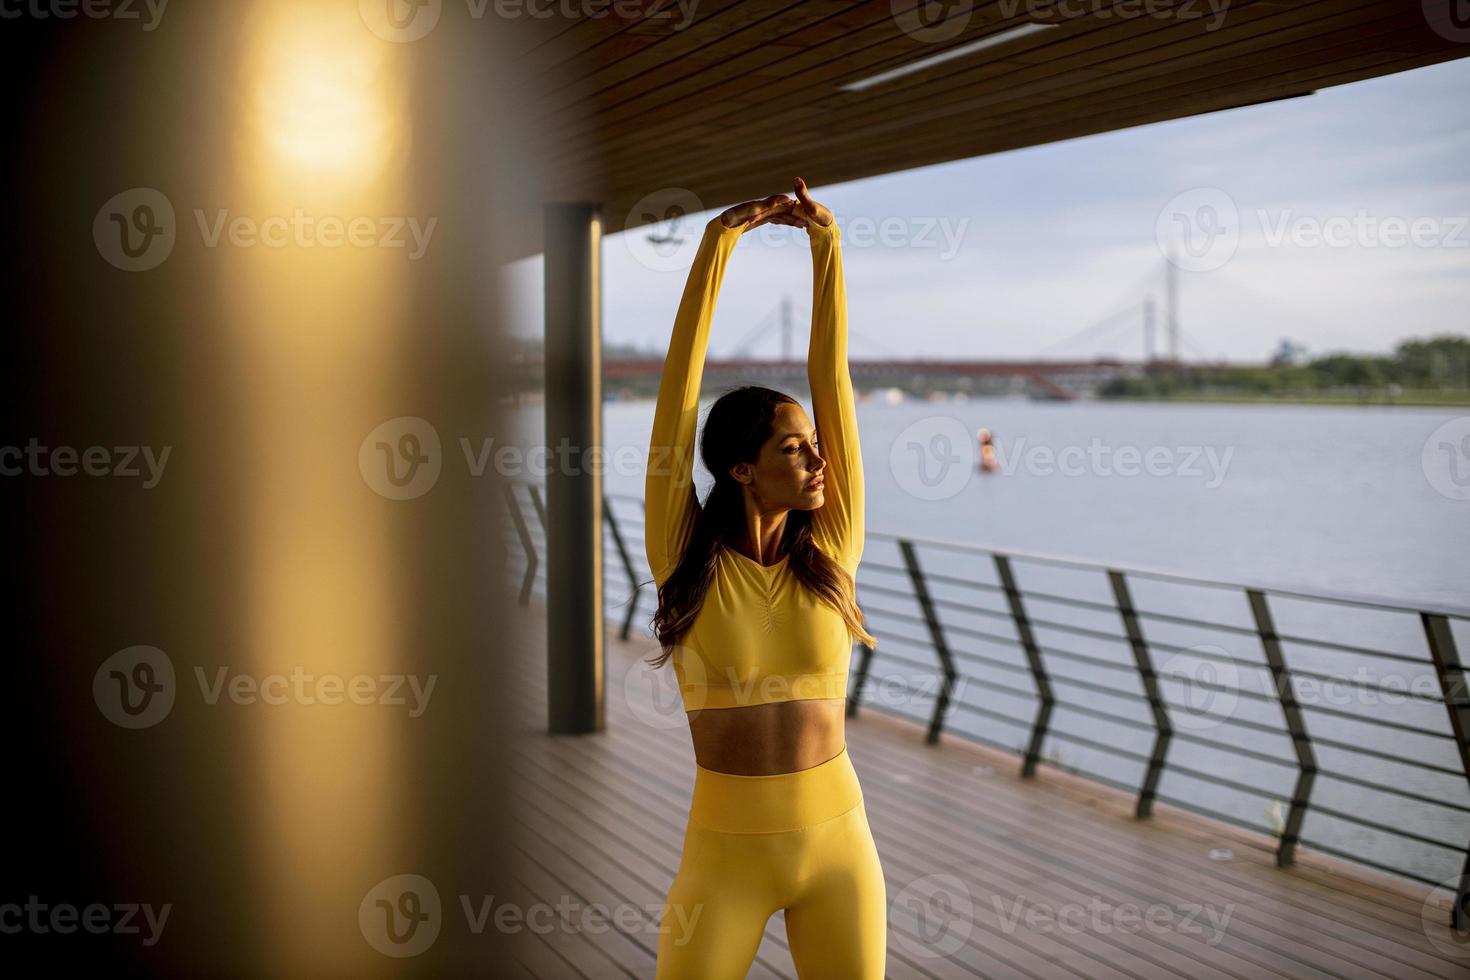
<point x="987" y="452"/>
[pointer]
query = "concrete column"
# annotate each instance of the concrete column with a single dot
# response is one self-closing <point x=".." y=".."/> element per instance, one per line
<point x="574" y="634"/>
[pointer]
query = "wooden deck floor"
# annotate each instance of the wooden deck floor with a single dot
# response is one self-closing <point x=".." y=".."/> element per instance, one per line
<point x="1008" y="877"/>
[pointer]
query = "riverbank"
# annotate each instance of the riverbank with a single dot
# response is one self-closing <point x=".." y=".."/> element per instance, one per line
<point x="1407" y="398"/>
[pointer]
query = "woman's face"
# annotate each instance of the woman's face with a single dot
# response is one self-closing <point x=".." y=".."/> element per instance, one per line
<point x="788" y="474"/>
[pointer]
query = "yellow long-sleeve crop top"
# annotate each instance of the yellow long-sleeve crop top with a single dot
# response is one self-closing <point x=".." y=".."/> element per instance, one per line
<point x="759" y="636"/>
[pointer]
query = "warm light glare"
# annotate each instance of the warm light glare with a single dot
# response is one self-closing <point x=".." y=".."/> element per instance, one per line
<point x="317" y="127"/>
<point x="320" y="94"/>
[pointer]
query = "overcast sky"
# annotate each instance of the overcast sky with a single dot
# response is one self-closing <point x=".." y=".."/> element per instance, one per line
<point x="1016" y="254"/>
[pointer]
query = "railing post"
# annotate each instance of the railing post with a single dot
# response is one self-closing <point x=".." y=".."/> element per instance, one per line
<point x="936" y="636"/>
<point x="865" y="659"/>
<point x="1451" y="674"/>
<point x="1162" y="729"/>
<point x="528" y="545"/>
<point x="540" y="507"/>
<point x="1033" y="658"/>
<point x="1296" y="726"/>
<point x="612" y="523"/>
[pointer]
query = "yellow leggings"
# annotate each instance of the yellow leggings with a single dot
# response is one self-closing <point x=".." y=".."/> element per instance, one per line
<point x="797" y="841"/>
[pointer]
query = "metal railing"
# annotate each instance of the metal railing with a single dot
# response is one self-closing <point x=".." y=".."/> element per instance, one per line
<point x="941" y="601"/>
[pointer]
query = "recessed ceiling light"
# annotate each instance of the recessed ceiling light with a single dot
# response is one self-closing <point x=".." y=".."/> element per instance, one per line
<point x="956" y="52"/>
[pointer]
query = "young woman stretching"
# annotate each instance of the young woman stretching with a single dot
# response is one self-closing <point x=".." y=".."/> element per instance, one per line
<point x="757" y="611"/>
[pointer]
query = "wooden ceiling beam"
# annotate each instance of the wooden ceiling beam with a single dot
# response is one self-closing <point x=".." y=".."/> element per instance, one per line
<point x="1106" y="49"/>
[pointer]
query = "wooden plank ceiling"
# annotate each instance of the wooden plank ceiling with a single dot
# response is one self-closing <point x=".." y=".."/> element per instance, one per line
<point x="746" y="93"/>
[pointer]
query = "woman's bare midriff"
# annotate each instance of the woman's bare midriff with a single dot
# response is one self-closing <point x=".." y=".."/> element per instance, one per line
<point x="766" y="739"/>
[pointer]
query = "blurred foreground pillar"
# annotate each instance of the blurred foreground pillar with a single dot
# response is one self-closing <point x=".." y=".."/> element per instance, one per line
<point x="261" y="687"/>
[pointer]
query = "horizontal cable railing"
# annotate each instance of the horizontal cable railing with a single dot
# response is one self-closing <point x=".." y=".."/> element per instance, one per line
<point x="943" y="584"/>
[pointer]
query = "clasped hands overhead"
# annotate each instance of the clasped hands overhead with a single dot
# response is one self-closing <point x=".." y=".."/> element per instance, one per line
<point x="781" y="209"/>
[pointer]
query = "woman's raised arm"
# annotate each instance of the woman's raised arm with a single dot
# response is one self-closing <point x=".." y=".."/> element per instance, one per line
<point x="838" y="524"/>
<point x="668" y="490"/>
